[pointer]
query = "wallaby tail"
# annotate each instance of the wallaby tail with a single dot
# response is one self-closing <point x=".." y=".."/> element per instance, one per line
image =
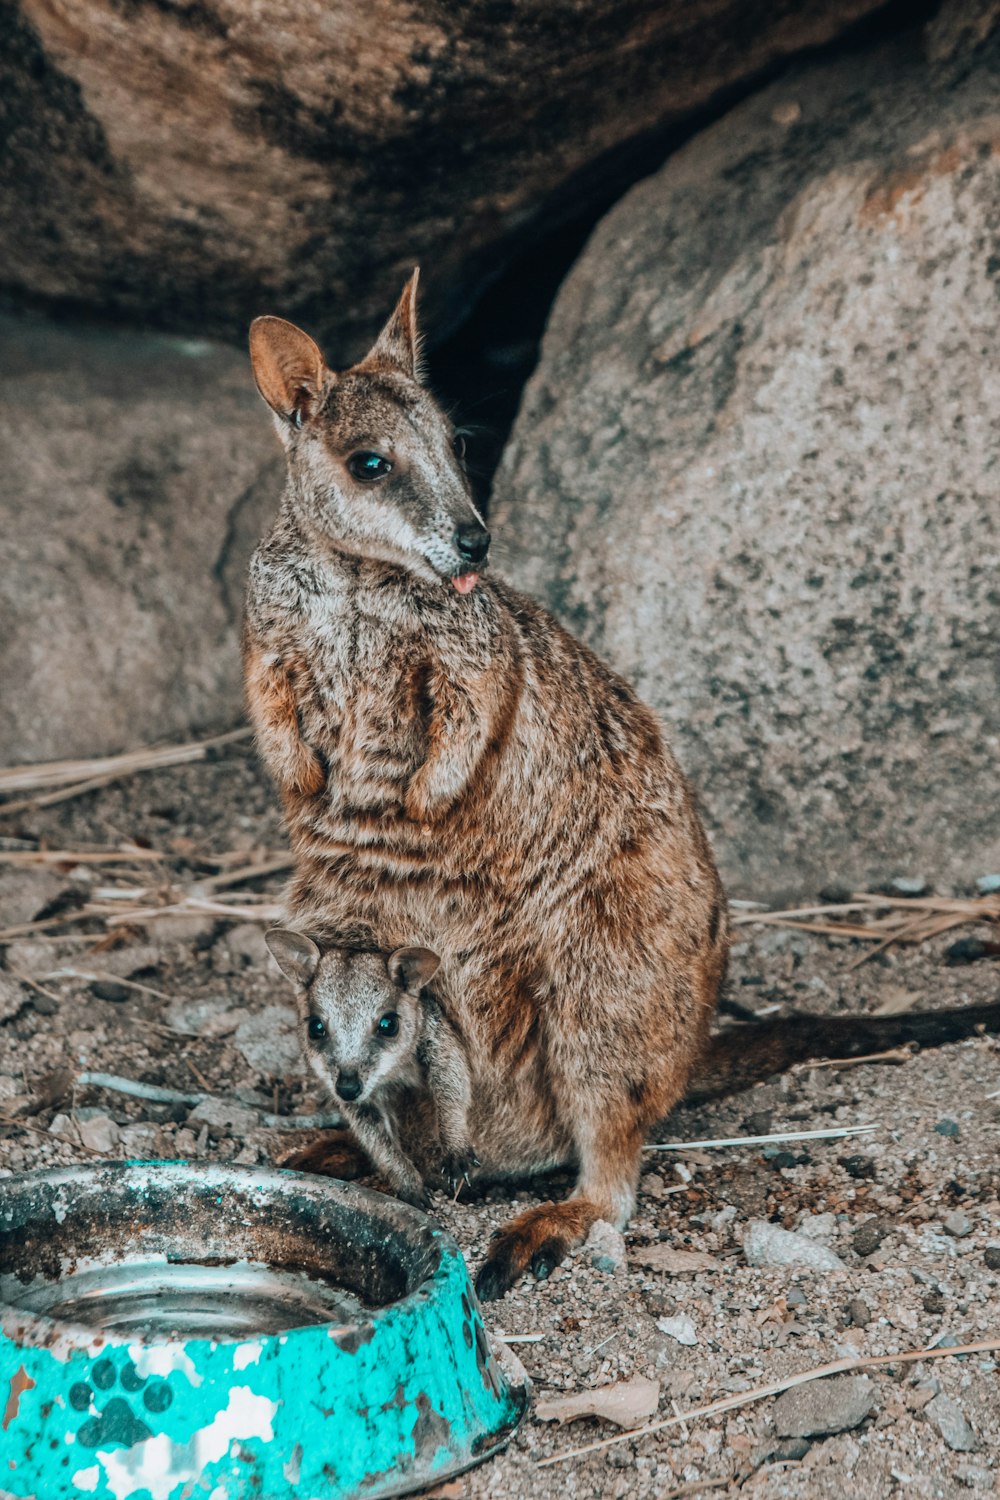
<point x="745" y="1055"/>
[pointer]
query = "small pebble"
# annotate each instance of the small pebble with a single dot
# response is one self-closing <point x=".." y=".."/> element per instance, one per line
<point x="869" y="1235"/>
<point x="948" y="1128"/>
<point x="934" y="1303"/>
<point x="946" y="1417"/>
<point x="824" y="1406"/>
<point x="991" y="1255"/>
<point x="680" y="1328"/>
<point x="988" y="885"/>
<point x="858" y="1166"/>
<point x="859" y="1313"/>
<point x="791" y="1450"/>
<point x="796" y="1297"/>
<point x="109" y="989"/>
<point x="909" y="885"/>
<point x="766" y="1244"/>
<point x="605" y="1248"/>
<point x="100" y="1133"/>
<point x="223" y="1118"/>
<point x="975" y="1477"/>
<point x="957" y="1224"/>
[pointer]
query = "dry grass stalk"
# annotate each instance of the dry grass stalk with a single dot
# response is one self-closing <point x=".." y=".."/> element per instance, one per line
<point x="775" y="1388"/>
<point x="61" y="773"/>
<point x="892" y="919"/>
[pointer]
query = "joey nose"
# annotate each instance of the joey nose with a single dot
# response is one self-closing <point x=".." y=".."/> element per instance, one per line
<point x="472" y="542"/>
<point x="348" y="1085"/>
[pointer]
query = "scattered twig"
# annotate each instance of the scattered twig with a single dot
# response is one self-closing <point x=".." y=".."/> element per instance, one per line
<point x="136" y="1090"/>
<point x="760" y="1140"/>
<point x="155" y="1094"/>
<point x="894" y="1055"/>
<point x="33" y="984"/>
<point x="28" y="804"/>
<point x="59" y="773"/>
<point x="760" y="1392"/>
<point x="103" y="976"/>
<point x="275" y="866"/>
<point x="17" y="1122"/>
<point x="890" y="919"/>
<point x="133" y="855"/>
<point x="522" y="1338"/>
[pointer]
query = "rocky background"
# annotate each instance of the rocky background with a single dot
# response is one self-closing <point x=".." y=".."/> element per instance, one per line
<point x="755" y="466"/>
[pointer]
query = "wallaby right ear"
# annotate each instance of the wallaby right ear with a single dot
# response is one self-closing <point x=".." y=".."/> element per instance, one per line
<point x="288" y="367"/>
<point x="296" y="955"/>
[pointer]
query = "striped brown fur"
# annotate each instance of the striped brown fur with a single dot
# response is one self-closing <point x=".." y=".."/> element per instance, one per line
<point x="492" y="790"/>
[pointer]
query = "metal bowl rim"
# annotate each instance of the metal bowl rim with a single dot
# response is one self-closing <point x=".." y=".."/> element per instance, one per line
<point x="38" y="1329"/>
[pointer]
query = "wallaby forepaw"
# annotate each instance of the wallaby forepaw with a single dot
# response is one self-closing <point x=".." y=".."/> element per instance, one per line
<point x="310" y="775"/>
<point x="457" y="1168"/>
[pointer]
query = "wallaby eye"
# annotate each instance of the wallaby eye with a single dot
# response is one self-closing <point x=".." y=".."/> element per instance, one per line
<point x="458" y="444"/>
<point x="366" y="468"/>
<point x="316" y="1029"/>
<point x="389" y="1024"/>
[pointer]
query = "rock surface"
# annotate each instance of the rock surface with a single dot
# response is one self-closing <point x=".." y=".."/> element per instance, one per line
<point x="137" y="474"/>
<point x="768" y="390"/>
<point x="823" y="1407"/>
<point x="197" y="163"/>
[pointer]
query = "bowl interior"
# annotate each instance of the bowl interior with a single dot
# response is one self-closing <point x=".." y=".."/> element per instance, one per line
<point x="167" y="1249"/>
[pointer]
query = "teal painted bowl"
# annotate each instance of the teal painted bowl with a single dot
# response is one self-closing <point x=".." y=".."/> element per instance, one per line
<point x="170" y="1331"/>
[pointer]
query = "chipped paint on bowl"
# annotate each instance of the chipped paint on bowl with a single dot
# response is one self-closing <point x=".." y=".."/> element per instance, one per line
<point x="169" y="1330"/>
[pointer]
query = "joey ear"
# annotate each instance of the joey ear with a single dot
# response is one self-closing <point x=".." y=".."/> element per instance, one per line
<point x="412" y="968"/>
<point x="296" y="955"/>
<point x="398" y="344"/>
<point x="288" y="367"/>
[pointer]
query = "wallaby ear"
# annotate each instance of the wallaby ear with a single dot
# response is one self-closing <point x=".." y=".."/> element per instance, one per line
<point x="412" y="968"/>
<point x="296" y="955"/>
<point x="398" y="344"/>
<point x="288" y="367"/>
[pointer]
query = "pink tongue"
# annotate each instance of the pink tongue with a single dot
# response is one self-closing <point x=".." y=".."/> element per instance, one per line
<point x="466" y="582"/>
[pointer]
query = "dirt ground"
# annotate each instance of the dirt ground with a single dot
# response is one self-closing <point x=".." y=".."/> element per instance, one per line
<point x="193" y="1003"/>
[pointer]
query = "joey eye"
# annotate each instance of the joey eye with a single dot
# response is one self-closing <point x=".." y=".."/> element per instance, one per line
<point x="458" y="444"/>
<point x="389" y="1024"/>
<point x="367" y="468"/>
<point x="316" y="1029"/>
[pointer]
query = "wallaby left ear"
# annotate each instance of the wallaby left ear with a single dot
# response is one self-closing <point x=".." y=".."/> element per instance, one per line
<point x="398" y="345"/>
<point x="412" y="968"/>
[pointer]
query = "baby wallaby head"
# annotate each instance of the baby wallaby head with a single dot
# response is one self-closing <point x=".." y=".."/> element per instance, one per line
<point x="376" y="465"/>
<point x="359" y="1013"/>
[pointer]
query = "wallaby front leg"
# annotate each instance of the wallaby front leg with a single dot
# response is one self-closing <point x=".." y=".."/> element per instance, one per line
<point x="389" y="1162"/>
<point x="294" y="765"/>
<point x="458" y="734"/>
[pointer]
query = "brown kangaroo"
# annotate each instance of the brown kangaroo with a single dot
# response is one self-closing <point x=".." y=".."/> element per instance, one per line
<point x="457" y="771"/>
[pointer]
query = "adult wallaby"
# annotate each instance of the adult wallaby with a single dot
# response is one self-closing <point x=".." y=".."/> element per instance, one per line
<point x="458" y="771"/>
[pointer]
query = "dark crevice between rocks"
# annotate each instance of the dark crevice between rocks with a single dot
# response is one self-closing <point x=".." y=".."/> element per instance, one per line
<point x="480" y="369"/>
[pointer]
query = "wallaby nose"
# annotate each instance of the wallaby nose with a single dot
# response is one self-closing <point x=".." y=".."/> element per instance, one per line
<point x="472" y="542"/>
<point x="348" y="1085"/>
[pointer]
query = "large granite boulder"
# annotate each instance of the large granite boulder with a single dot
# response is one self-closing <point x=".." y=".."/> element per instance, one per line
<point x="758" y="468"/>
<point x="136" y="475"/>
<point x="191" y="163"/>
